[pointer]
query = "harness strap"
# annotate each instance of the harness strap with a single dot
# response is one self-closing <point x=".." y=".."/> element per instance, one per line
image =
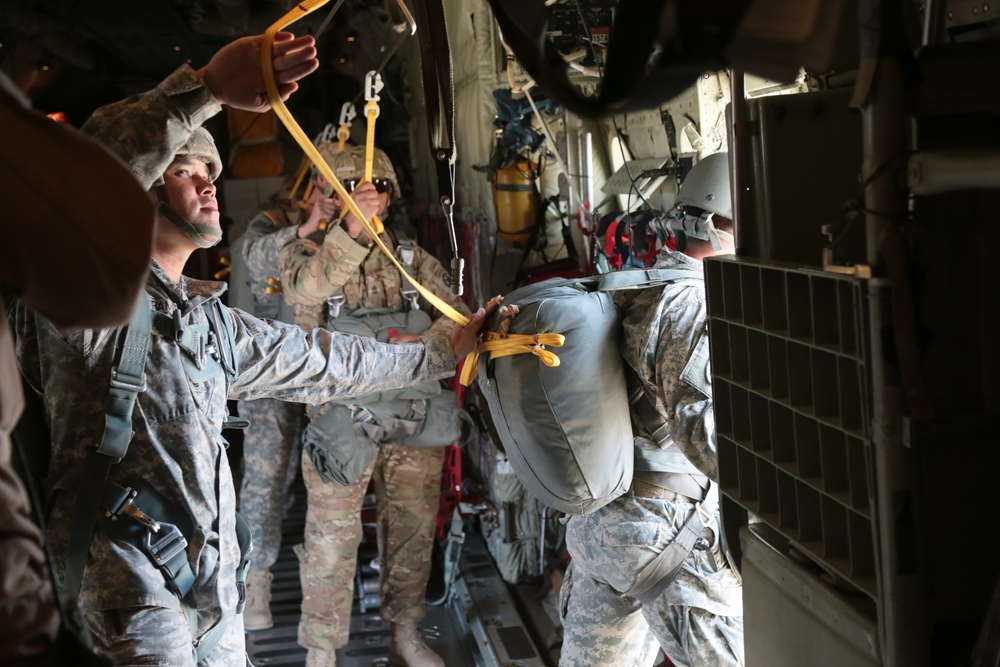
<point x="662" y="570"/>
<point x="145" y="522"/>
<point x="128" y="378"/>
<point x="406" y="253"/>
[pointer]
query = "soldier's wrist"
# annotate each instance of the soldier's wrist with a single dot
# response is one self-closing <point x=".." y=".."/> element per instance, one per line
<point x="359" y="236"/>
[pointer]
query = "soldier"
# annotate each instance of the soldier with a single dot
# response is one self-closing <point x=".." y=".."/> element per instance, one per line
<point x="272" y="443"/>
<point x="327" y="282"/>
<point x="143" y="523"/>
<point x="698" y="617"/>
<point x="98" y="261"/>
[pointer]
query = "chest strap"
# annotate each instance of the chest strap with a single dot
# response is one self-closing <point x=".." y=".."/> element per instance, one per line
<point x="128" y="379"/>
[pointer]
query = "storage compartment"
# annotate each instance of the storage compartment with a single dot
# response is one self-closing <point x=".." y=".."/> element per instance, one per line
<point x="792" y="618"/>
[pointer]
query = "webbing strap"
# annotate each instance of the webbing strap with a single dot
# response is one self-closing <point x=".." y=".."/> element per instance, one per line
<point x="127" y="380"/>
<point x="642" y="278"/>
<point x="661" y="571"/>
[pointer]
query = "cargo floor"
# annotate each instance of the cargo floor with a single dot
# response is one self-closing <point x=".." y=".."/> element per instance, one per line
<point x="481" y="627"/>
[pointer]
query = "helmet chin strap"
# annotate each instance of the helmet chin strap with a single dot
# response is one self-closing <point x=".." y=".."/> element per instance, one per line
<point x="699" y="227"/>
<point x="203" y="236"/>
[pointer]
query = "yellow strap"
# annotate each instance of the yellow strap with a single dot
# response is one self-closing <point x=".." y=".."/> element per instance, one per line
<point x="523" y="344"/>
<point x="299" y="176"/>
<point x="500" y="345"/>
<point x="371" y="111"/>
<point x="301" y="10"/>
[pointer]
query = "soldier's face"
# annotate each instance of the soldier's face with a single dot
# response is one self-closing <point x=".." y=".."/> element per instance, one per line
<point x="190" y="192"/>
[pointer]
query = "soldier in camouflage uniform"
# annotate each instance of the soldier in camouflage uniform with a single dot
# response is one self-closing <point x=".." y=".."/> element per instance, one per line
<point x="176" y="456"/>
<point x="341" y="273"/>
<point x="698" y="618"/>
<point x="272" y="444"/>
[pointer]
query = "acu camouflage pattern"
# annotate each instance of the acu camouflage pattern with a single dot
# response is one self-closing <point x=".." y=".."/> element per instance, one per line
<point x="272" y="444"/>
<point x="201" y="146"/>
<point x="665" y="342"/>
<point x="698" y="619"/>
<point x="407" y="480"/>
<point x="164" y="636"/>
<point x="266" y="234"/>
<point x="177" y="448"/>
<point x="147" y="130"/>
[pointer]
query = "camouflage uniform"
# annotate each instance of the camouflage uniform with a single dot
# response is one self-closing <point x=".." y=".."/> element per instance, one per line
<point x="177" y="448"/>
<point x="698" y="619"/>
<point x="272" y="444"/>
<point x="407" y="481"/>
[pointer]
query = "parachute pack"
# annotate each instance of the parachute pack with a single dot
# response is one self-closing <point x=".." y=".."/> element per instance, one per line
<point x="564" y="421"/>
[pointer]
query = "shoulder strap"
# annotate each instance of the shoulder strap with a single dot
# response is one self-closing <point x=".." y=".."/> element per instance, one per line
<point x="642" y="278"/>
<point x="222" y="325"/>
<point x="128" y="379"/>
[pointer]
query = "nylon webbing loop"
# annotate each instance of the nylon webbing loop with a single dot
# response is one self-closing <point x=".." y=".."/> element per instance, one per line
<point x="499" y="345"/>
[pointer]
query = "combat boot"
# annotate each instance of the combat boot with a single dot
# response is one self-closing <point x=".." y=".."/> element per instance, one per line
<point x="317" y="657"/>
<point x="257" y="613"/>
<point x="409" y="650"/>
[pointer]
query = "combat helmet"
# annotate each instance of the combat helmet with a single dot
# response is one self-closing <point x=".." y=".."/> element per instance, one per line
<point x="350" y="164"/>
<point x="707" y="186"/>
<point x="200" y="146"/>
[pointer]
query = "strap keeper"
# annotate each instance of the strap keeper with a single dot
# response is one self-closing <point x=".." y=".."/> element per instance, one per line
<point x="117" y="382"/>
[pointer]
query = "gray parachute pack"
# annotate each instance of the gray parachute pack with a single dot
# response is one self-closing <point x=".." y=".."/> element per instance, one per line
<point x="567" y="429"/>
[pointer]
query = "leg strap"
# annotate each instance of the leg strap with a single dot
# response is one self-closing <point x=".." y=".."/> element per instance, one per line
<point x="662" y="570"/>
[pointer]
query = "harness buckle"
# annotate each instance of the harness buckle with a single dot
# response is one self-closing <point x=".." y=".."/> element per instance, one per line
<point x="119" y="383"/>
<point x="335" y="305"/>
<point x="129" y="508"/>
<point x="170" y="542"/>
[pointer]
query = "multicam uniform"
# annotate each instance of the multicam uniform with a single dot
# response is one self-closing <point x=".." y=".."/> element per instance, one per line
<point x="698" y="619"/>
<point x="407" y="481"/>
<point x="177" y="448"/>
<point x="273" y="441"/>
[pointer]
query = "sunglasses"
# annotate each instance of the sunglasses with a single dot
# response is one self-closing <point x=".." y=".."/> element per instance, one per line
<point x="382" y="185"/>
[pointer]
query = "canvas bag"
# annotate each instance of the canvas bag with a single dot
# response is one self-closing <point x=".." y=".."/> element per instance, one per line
<point x="567" y="429"/>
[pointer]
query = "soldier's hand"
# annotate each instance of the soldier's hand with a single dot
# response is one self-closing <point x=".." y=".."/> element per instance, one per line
<point x="367" y="198"/>
<point x="235" y="77"/>
<point x="464" y="339"/>
<point x="322" y="209"/>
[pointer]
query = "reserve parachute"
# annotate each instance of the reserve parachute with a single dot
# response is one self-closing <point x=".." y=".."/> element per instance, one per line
<point x="563" y="416"/>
